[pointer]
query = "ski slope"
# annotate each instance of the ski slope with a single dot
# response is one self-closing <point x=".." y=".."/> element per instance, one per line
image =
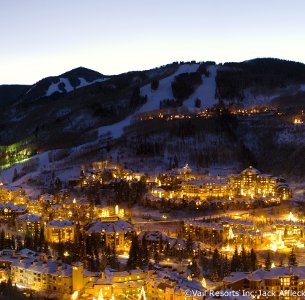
<point x="205" y="92"/>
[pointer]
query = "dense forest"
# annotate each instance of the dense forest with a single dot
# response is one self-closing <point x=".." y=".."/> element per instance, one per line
<point x="265" y="73"/>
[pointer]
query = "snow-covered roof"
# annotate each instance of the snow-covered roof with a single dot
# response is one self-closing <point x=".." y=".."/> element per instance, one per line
<point x="152" y="236"/>
<point x="30" y="218"/>
<point x="46" y="267"/>
<point x="235" y="276"/>
<point x="13" y="207"/>
<point x="108" y="226"/>
<point x="261" y="274"/>
<point x="292" y="223"/>
<point x="26" y="252"/>
<point x="47" y="197"/>
<point x="10" y="188"/>
<point x="60" y="223"/>
<point x="250" y="170"/>
<point x="173" y="282"/>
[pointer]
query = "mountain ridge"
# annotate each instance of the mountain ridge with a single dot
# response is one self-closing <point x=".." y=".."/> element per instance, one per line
<point x="98" y="113"/>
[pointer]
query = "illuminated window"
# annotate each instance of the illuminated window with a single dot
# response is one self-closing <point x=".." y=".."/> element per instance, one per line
<point x="285" y="281"/>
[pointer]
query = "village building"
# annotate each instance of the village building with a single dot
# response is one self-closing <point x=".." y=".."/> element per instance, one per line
<point x="47" y="199"/>
<point x="224" y="229"/>
<point x="250" y="183"/>
<point x="59" y="231"/>
<point x="118" y="284"/>
<point x="12" y="194"/>
<point x="169" y="284"/>
<point x="9" y="212"/>
<point x="277" y="283"/>
<point x="113" y="231"/>
<point x="29" y="223"/>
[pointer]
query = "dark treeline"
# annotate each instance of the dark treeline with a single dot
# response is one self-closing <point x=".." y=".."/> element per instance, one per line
<point x="149" y="148"/>
<point x="184" y="84"/>
<point x="129" y="193"/>
<point x="35" y="241"/>
<point x="89" y="249"/>
<point x="221" y="265"/>
<point x="170" y="103"/>
<point x="263" y="73"/>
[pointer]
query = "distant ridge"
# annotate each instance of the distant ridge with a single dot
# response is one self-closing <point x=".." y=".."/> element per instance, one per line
<point x="82" y="72"/>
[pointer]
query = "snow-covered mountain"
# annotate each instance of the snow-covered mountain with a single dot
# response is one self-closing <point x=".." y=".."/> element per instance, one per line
<point x="81" y="111"/>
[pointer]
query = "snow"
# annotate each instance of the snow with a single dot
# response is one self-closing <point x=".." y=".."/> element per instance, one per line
<point x="68" y="87"/>
<point x="253" y="100"/>
<point x="205" y="92"/>
<point x="84" y="82"/>
<point x="54" y="87"/>
<point x="165" y="89"/>
<point x="7" y="174"/>
<point x="115" y="130"/>
<point x="291" y="134"/>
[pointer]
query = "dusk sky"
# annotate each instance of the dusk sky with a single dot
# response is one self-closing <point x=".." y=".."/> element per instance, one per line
<point x="47" y="38"/>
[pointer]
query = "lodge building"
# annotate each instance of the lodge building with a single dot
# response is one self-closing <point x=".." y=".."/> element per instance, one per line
<point x="250" y="183"/>
<point x="277" y="283"/>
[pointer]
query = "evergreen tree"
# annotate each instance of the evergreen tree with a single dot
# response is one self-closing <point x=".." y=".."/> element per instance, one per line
<point x="103" y="261"/>
<point x="170" y="165"/>
<point x="281" y="263"/>
<point x="268" y="262"/>
<point x="90" y="196"/>
<point x="189" y="247"/>
<point x="216" y="266"/>
<point x="292" y="259"/>
<point x="58" y="185"/>
<point x="175" y="161"/>
<point x="253" y="258"/>
<point x="151" y="252"/>
<point x="285" y="232"/>
<point x="2" y="239"/>
<point x="144" y="252"/>
<point x="108" y="148"/>
<point x="51" y="188"/>
<point x="197" y="103"/>
<point x="155" y="84"/>
<point x="244" y="260"/>
<point x="226" y="269"/>
<point x="41" y="239"/>
<point x="15" y="176"/>
<point x="160" y="243"/>
<point x="81" y="178"/>
<point x="133" y="260"/>
<point x="12" y="242"/>
<point x="28" y="241"/>
<point x="113" y="259"/>
<point x="156" y="255"/>
<point x="35" y="239"/>
<point x="45" y="248"/>
<point x="236" y="261"/>
<point x="9" y="288"/>
<point x="194" y="269"/>
<point x="19" y="245"/>
<point x="118" y="163"/>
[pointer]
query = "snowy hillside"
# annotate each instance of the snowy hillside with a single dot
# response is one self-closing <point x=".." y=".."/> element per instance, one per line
<point x="205" y="92"/>
<point x="54" y="87"/>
